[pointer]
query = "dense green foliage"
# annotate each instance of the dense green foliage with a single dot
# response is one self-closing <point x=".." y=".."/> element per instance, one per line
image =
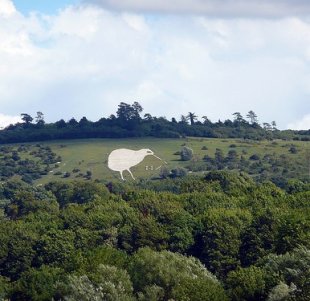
<point x="217" y="237"/>
<point x="128" y="122"/>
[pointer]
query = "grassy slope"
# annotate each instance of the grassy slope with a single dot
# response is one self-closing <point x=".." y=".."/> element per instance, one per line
<point x="92" y="154"/>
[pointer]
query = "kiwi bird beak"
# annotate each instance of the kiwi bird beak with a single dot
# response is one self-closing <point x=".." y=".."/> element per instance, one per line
<point x="160" y="159"/>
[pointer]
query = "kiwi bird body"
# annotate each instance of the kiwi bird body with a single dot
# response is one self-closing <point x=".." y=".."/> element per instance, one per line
<point x="123" y="159"/>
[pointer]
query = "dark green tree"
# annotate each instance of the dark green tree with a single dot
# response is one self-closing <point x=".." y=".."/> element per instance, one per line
<point x="247" y="284"/>
<point x="40" y="118"/>
<point x="252" y="117"/>
<point x="192" y="117"/>
<point x="26" y="118"/>
<point x="238" y="117"/>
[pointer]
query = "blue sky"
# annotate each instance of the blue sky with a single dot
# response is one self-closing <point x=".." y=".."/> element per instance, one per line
<point x="43" y="6"/>
<point x="212" y="57"/>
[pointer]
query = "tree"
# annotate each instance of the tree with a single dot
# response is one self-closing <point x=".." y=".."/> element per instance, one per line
<point x="60" y="124"/>
<point x="282" y="292"/>
<point x="178" y="276"/>
<point x="191" y="117"/>
<point x="274" y="125"/>
<point x="219" y="156"/>
<point x="252" y="117"/>
<point x="148" y="117"/>
<point x="238" y="117"/>
<point x="164" y="172"/>
<point x="267" y="126"/>
<point x="137" y="107"/>
<point x="55" y="248"/>
<point x="232" y="159"/>
<point x="183" y="119"/>
<point x="259" y="238"/>
<point x="26" y="118"/>
<point x="221" y="239"/>
<point x="178" y="172"/>
<point x="40" y="118"/>
<point x="246" y="284"/>
<point x="38" y="284"/>
<point x="127" y="112"/>
<point x="5" y="288"/>
<point x="206" y="120"/>
<point x="292" y="269"/>
<point x="73" y="122"/>
<point x="84" y="122"/>
<point x="105" y="283"/>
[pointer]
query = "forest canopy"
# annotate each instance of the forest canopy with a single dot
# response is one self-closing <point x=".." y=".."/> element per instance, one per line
<point x="218" y="237"/>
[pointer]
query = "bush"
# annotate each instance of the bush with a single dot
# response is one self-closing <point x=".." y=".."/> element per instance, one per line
<point x="293" y="149"/>
<point x="67" y="174"/>
<point x="178" y="172"/>
<point x="255" y="157"/>
<point x="164" y="172"/>
<point x="186" y="153"/>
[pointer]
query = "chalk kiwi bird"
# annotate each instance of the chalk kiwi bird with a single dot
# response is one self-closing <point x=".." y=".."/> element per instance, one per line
<point x="123" y="159"/>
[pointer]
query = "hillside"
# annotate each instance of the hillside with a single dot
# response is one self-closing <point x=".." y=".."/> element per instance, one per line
<point x="87" y="159"/>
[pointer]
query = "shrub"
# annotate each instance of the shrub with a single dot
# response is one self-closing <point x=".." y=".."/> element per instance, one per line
<point x="164" y="172"/>
<point x="293" y="149"/>
<point x="255" y="157"/>
<point x="178" y="172"/>
<point x="186" y="153"/>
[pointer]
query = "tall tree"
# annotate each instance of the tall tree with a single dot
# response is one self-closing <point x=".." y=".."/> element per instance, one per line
<point x="183" y="119"/>
<point x="148" y="117"/>
<point x="137" y="107"/>
<point x="238" y="117"/>
<point x="191" y="117"/>
<point x="267" y="126"/>
<point x="26" y="118"/>
<point x="274" y="125"/>
<point x="73" y="122"/>
<point x="40" y="118"/>
<point x="252" y="117"/>
<point x="126" y="112"/>
<point x="206" y="120"/>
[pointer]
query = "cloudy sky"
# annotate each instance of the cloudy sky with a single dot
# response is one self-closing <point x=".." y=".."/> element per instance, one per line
<point x="75" y="58"/>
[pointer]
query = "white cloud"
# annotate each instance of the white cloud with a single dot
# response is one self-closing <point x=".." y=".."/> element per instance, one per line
<point x="302" y="124"/>
<point x="6" y="120"/>
<point x="214" y="8"/>
<point x="85" y="60"/>
<point x="7" y="8"/>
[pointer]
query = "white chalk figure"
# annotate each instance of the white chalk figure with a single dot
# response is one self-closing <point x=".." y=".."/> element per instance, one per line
<point x="123" y="159"/>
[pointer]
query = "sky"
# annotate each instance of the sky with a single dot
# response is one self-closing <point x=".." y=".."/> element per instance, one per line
<point x="76" y="58"/>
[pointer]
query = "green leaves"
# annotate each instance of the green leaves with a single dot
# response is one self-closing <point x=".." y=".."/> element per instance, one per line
<point x="174" y="275"/>
<point x="246" y="284"/>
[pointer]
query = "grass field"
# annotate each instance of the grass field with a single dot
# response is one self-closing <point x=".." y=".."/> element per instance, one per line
<point x="92" y="154"/>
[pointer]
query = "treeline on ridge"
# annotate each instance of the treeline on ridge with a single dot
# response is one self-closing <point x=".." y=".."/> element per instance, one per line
<point x="128" y="122"/>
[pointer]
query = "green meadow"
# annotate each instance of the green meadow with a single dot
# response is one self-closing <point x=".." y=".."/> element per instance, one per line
<point x="91" y="155"/>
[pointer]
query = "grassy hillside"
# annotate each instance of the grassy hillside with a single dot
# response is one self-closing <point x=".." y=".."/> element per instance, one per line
<point x="90" y="155"/>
